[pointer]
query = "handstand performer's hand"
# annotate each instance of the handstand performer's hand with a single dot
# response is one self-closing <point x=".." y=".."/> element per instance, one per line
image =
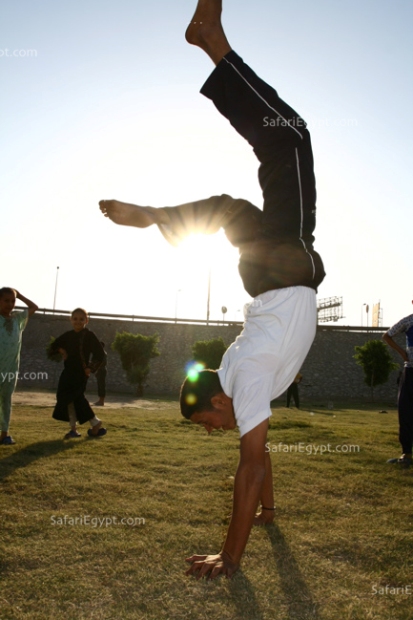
<point x="211" y="566"/>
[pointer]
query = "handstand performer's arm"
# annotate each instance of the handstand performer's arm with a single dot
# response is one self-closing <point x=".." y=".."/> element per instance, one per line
<point x="248" y="489"/>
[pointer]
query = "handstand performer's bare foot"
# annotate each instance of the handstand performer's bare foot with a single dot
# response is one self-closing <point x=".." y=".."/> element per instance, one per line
<point x="205" y="30"/>
<point x="130" y="215"/>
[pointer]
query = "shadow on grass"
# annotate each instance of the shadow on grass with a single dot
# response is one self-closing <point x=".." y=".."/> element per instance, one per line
<point x="31" y="453"/>
<point x="246" y="604"/>
<point x="297" y="595"/>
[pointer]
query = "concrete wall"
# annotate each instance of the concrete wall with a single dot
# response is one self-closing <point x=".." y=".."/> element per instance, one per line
<point x="329" y="371"/>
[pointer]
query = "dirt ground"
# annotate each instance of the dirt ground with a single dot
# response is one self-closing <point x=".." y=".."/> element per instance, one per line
<point x="47" y="398"/>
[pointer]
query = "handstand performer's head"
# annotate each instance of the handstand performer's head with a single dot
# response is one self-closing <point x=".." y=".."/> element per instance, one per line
<point x="204" y="402"/>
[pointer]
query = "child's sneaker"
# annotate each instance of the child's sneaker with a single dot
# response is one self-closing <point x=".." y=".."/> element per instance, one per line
<point x="403" y="460"/>
<point x="72" y="435"/>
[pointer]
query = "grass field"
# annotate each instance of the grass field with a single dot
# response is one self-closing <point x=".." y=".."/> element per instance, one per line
<point x="99" y="529"/>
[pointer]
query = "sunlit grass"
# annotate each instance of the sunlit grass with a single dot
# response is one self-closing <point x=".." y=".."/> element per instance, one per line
<point x="343" y="523"/>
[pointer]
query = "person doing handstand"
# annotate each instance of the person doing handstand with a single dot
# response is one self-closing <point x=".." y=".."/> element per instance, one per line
<point x="278" y="266"/>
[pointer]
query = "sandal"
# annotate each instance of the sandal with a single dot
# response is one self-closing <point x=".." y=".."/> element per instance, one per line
<point x="102" y="431"/>
<point x="7" y="441"/>
<point x="403" y="460"/>
<point x="72" y="435"/>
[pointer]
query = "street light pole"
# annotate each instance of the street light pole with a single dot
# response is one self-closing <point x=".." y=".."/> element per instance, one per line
<point x="55" y="289"/>
<point x="209" y="295"/>
<point x="362" y="306"/>
<point x="176" y="304"/>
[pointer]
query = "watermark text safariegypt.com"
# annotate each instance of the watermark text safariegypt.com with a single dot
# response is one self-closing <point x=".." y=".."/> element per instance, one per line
<point x="392" y="589"/>
<point x="304" y="448"/>
<point x="26" y="376"/>
<point x="298" y="122"/>
<point x="94" y="522"/>
<point x="6" y="53"/>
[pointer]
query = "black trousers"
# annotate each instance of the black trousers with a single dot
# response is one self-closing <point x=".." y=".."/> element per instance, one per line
<point x="293" y="392"/>
<point x="101" y="374"/>
<point x="275" y="243"/>
<point x="280" y="252"/>
<point x="405" y="406"/>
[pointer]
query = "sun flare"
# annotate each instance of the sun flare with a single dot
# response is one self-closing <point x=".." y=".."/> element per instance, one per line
<point x="207" y="263"/>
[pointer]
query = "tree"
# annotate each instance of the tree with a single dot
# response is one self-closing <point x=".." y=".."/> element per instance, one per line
<point x="209" y="352"/>
<point x="52" y="356"/>
<point x="135" y="352"/>
<point x="376" y="361"/>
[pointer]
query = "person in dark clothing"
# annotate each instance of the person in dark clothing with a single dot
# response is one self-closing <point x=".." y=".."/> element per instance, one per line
<point x="405" y="392"/>
<point x="82" y="354"/>
<point x="293" y="391"/>
<point x="100" y="375"/>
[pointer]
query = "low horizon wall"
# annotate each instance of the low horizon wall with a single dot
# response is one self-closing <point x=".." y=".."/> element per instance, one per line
<point x="329" y="372"/>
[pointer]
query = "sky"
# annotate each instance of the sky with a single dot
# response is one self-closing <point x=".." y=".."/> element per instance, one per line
<point x="101" y="100"/>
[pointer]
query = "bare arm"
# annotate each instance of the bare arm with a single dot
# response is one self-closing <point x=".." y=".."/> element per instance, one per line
<point x="30" y="304"/>
<point x="249" y="485"/>
<point x="389" y="340"/>
<point x="248" y="488"/>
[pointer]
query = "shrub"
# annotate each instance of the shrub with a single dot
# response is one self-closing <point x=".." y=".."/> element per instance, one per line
<point x="376" y="361"/>
<point x="135" y="352"/>
<point x="209" y="352"/>
<point x="52" y="355"/>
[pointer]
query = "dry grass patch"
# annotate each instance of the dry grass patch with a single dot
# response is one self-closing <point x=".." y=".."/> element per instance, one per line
<point x="343" y="524"/>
